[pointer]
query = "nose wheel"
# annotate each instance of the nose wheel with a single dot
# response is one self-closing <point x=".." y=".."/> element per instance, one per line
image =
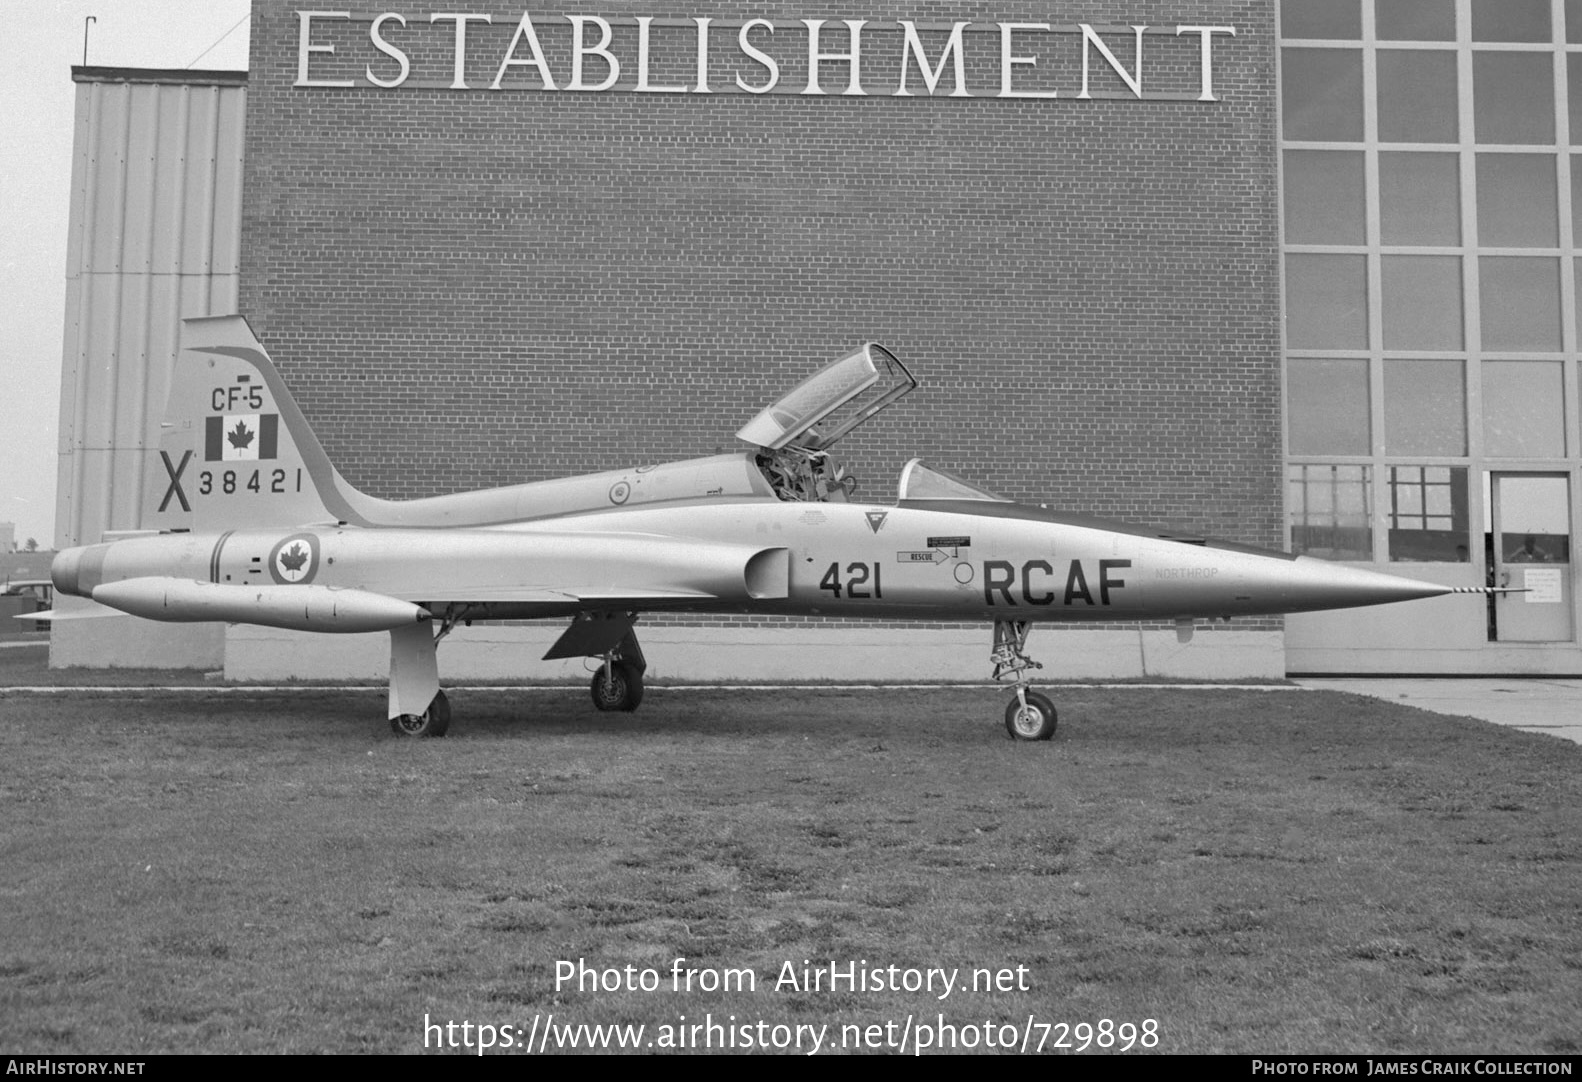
<point x="1029" y="715"/>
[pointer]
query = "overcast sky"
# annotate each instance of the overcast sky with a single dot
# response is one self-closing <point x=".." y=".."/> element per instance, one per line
<point x="42" y="40"/>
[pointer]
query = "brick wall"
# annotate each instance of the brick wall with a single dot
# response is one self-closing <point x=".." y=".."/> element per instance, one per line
<point x="471" y="288"/>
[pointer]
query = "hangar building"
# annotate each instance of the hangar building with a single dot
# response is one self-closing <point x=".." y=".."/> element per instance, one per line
<point x="1294" y="274"/>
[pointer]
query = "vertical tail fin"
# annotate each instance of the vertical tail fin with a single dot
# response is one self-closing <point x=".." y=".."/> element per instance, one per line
<point x="234" y="449"/>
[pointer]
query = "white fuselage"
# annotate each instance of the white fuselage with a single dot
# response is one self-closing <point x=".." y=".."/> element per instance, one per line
<point x="755" y="554"/>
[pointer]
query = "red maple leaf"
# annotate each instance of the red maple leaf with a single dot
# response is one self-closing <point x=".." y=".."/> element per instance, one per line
<point x="241" y="437"/>
<point x="294" y="557"/>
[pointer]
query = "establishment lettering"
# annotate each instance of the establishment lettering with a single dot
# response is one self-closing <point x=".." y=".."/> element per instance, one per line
<point x="834" y="52"/>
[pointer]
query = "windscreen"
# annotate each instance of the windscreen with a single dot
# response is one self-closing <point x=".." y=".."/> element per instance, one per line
<point x="920" y="482"/>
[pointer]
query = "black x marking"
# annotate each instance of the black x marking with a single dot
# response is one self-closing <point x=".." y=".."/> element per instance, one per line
<point x="175" y="473"/>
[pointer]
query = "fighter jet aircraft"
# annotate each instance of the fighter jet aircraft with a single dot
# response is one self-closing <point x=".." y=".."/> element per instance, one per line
<point x="256" y="526"/>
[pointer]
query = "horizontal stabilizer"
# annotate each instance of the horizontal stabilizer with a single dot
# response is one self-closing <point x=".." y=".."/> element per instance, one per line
<point x="97" y="612"/>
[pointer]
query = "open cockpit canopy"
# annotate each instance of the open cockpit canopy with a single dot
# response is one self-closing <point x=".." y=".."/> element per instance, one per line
<point x="831" y="402"/>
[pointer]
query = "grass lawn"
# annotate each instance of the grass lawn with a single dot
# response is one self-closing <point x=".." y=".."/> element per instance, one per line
<point x="1254" y="871"/>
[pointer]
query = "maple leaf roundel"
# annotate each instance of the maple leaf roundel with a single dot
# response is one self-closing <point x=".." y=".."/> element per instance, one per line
<point x="295" y="559"/>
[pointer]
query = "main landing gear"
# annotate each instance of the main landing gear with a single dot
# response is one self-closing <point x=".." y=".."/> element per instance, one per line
<point x="1029" y="715"/>
<point x="617" y="685"/>
<point x="606" y="637"/>
<point x="435" y="721"/>
<point x="618" y="681"/>
<point x="417" y="706"/>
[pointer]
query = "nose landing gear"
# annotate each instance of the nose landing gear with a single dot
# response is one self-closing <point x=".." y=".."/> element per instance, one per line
<point x="1029" y="715"/>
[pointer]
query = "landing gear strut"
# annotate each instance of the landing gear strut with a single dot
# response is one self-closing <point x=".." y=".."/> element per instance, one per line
<point x="417" y="706"/>
<point x="608" y="637"/>
<point x="618" y="683"/>
<point x="1029" y="715"/>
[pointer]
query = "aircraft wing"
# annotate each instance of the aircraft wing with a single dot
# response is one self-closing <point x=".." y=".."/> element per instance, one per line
<point x="559" y="570"/>
<point x="585" y="595"/>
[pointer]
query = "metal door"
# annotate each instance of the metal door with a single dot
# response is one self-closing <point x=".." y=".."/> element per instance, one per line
<point x="1530" y="548"/>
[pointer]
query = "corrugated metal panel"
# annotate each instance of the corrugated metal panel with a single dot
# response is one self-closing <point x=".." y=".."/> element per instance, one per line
<point x="155" y="238"/>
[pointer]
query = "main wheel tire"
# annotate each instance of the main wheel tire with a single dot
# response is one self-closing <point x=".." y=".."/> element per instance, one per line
<point x="617" y="687"/>
<point x="1035" y="721"/>
<point x="434" y="721"/>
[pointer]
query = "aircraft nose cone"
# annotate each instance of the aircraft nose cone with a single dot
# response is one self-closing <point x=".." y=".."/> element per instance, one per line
<point x="1323" y="585"/>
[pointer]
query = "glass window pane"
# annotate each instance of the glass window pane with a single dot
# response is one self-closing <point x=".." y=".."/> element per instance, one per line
<point x="1576" y="199"/>
<point x="1405" y="495"/>
<point x="1517" y="204"/>
<point x="1513" y="97"/>
<point x="1422" y="302"/>
<point x="1425" y="408"/>
<point x="1331" y="511"/>
<point x="1427" y="514"/>
<point x="1576" y="285"/>
<point x="1415" y="20"/>
<point x="1574" y="21"/>
<point x="1330" y="19"/>
<point x="1574" y="95"/>
<point x="1328" y="405"/>
<point x="1535" y="519"/>
<point x="1326" y="301"/>
<point x="1510" y="20"/>
<point x="1523" y="409"/>
<point x="1519" y="303"/>
<point x="1419" y="197"/>
<point x="1321" y="90"/>
<point x="1323" y="197"/>
<point x="1417" y="96"/>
